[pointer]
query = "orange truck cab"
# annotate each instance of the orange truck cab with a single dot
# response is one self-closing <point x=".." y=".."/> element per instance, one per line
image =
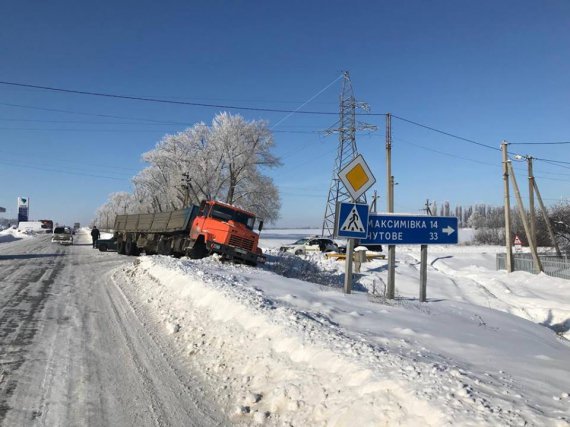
<point x="226" y="230"/>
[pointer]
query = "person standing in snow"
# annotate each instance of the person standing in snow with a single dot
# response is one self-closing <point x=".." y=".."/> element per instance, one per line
<point x="95" y="235"/>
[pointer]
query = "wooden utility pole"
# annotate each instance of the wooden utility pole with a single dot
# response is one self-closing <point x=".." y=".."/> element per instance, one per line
<point x="507" y="205"/>
<point x="532" y="215"/>
<point x="547" y="221"/>
<point x="390" y="288"/>
<point x="522" y="213"/>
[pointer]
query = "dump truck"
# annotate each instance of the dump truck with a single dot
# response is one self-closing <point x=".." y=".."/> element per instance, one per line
<point x="212" y="227"/>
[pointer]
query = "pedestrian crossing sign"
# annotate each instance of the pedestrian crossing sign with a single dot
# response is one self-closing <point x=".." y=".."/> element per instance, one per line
<point x="351" y="220"/>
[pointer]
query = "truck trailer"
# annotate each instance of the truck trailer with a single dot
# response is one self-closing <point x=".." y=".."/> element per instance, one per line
<point x="198" y="231"/>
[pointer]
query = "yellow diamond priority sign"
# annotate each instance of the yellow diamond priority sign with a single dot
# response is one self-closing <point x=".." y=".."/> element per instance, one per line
<point x="356" y="177"/>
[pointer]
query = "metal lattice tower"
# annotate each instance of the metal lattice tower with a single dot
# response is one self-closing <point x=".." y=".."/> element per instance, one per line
<point x="347" y="127"/>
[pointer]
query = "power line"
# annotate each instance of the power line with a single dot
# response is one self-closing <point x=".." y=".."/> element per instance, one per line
<point x="553" y="162"/>
<point x="444" y="153"/>
<point x="446" y="133"/>
<point x="66" y="161"/>
<point x="160" y="100"/>
<point x="552" y="179"/>
<point x="307" y="101"/>
<point x="196" y="104"/>
<point x="540" y="143"/>
<point x="82" y="122"/>
<point x="132" y="130"/>
<point x="476" y="161"/>
<point x="83" y="130"/>
<point x="61" y="171"/>
<point x="108" y="116"/>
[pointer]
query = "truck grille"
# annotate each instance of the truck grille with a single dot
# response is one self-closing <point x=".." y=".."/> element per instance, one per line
<point x="240" y="242"/>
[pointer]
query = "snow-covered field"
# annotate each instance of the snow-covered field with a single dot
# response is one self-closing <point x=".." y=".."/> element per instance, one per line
<point x="282" y="344"/>
<point x="284" y="350"/>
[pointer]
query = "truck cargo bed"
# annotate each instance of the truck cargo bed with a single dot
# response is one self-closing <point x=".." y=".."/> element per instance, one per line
<point x="162" y="222"/>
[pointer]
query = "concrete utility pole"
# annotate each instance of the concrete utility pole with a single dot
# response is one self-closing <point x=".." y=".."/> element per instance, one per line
<point x="507" y="205"/>
<point x="532" y="216"/>
<point x="522" y="213"/>
<point x="391" y="286"/>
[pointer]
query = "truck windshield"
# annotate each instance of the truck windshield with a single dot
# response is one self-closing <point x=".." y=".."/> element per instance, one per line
<point x="226" y="214"/>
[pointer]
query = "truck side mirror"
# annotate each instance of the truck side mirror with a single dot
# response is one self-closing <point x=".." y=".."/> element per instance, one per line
<point x="260" y="227"/>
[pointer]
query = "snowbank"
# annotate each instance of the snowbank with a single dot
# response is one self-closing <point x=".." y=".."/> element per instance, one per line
<point x="285" y="351"/>
<point x="11" y="234"/>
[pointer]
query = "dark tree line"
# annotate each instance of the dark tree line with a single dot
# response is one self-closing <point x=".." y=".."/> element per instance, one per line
<point x="489" y="223"/>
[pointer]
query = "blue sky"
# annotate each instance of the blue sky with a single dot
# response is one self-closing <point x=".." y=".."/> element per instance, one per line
<point x="485" y="70"/>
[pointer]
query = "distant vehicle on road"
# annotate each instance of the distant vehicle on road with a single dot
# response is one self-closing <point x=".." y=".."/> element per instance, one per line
<point x="310" y="244"/>
<point x="30" y="227"/>
<point x="62" y="235"/>
<point x="47" y="225"/>
<point x="105" y="245"/>
<point x="76" y="226"/>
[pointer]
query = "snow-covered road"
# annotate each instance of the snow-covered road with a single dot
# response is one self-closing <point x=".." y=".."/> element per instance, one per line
<point x="95" y="338"/>
<point x="74" y="351"/>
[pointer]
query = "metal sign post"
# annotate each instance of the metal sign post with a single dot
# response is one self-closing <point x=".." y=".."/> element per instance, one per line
<point x="348" y="266"/>
<point x="351" y="222"/>
<point x="398" y="229"/>
<point x="352" y="218"/>
<point x="423" y="273"/>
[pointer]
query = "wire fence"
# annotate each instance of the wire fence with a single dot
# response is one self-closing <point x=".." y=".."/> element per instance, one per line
<point x="552" y="265"/>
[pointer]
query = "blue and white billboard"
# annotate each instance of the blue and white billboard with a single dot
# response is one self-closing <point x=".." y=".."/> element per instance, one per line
<point x="23" y="208"/>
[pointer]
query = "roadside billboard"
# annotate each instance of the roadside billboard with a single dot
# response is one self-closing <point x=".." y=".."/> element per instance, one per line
<point x="23" y="208"/>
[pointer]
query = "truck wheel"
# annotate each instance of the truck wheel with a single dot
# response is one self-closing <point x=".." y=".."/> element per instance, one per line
<point x="198" y="251"/>
<point x="102" y="247"/>
<point x="131" y="248"/>
<point x="299" y="252"/>
<point x="164" y="247"/>
<point x="128" y="247"/>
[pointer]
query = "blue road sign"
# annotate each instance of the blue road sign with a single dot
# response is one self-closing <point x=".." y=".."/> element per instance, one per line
<point x="352" y="220"/>
<point x="386" y="229"/>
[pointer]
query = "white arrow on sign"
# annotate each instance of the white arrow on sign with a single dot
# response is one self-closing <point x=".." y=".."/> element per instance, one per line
<point x="448" y="230"/>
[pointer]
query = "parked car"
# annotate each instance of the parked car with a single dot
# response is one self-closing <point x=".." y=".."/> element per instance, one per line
<point x="105" y="245"/>
<point x="310" y="244"/>
<point x="62" y="235"/>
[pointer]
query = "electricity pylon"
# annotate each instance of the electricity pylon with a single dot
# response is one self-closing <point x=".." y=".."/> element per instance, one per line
<point x="347" y="127"/>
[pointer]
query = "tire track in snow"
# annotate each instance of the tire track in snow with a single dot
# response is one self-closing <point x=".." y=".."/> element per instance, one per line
<point x="19" y="323"/>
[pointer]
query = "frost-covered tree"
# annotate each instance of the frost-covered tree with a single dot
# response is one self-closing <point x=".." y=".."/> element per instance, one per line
<point x="224" y="161"/>
<point x="245" y="147"/>
<point x="118" y="203"/>
<point x="560" y="220"/>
